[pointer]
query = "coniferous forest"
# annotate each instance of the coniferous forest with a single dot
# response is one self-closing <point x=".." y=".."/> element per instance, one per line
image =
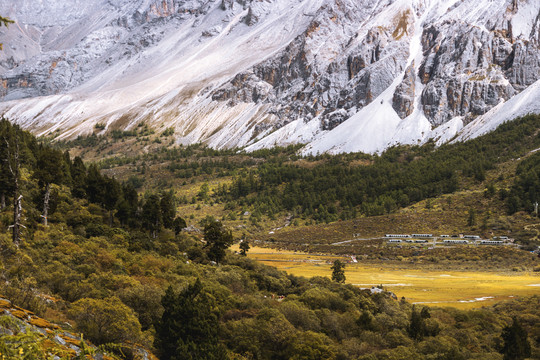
<point x="99" y="256"/>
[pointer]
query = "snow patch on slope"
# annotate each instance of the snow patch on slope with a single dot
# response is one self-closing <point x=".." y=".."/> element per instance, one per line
<point x="166" y="84"/>
<point x="377" y="126"/>
<point x="295" y="132"/>
<point x="523" y="21"/>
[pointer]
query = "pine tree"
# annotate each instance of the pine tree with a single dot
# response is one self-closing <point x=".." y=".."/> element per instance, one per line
<point x="471" y="221"/>
<point x="112" y="195"/>
<point x="516" y="345"/>
<point x="179" y="224"/>
<point x="168" y="209"/>
<point x="338" y="271"/>
<point x="17" y="148"/>
<point x="6" y="176"/>
<point x="78" y="178"/>
<point x="13" y="164"/>
<point x="94" y="185"/>
<point x="49" y="170"/>
<point x="244" y="247"/>
<point x="188" y="328"/>
<point x="127" y="206"/>
<point x="416" y="328"/>
<point x="152" y="219"/>
<point x="217" y="240"/>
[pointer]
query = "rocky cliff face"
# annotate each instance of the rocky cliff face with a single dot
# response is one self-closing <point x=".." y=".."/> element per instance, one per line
<point x="325" y="72"/>
<point x="258" y="73"/>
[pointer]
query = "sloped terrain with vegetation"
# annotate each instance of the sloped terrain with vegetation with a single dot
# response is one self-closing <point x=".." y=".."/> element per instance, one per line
<point x="126" y="264"/>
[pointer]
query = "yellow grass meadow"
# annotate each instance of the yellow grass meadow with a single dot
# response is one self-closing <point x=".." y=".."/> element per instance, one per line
<point x="460" y="289"/>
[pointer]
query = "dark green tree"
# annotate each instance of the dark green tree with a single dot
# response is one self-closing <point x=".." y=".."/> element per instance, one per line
<point x="471" y="220"/>
<point x="244" y="247"/>
<point x="217" y="240"/>
<point x="151" y="214"/>
<point x="338" y="271"/>
<point x="127" y="206"/>
<point x="417" y="328"/>
<point x="179" y="224"/>
<point x="365" y="321"/>
<point x="513" y="204"/>
<point x="49" y="170"/>
<point x="13" y="165"/>
<point x="516" y="345"/>
<point x="112" y="195"/>
<point x="67" y="164"/>
<point x="78" y="178"/>
<point x="17" y="148"/>
<point x="7" y="183"/>
<point x="95" y="185"/>
<point x="168" y="209"/>
<point x="424" y="314"/>
<point x="188" y="329"/>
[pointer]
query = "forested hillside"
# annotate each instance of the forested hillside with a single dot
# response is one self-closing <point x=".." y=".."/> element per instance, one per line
<point x="278" y="183"/>
<point x="92" y="254"/>
<point x="334" y="189"/>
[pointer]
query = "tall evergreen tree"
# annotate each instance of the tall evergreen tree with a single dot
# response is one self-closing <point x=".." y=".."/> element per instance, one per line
<point x="417" y="327"/>
<point x="6" y="176"/>
<point x="188" y="329"/>
<point x="244" y="247"/>
<point x="471" y="220"/>
<point x="127" y="206"/>
<point x="78" y="178"/>
<point x="94" y="185"/>
<point x="67" y="164"/>
<point x="338" y="271"/>
<point x="217" y="240"/>
<point x="49" y="170"/>
<point x="17" y="148"/>
<point x="152" y="219"/>
<point x="516" y="345"/>
<point x="178" y="224"/>
<point x="112" y="195"/>
<point x="168" y="209"/>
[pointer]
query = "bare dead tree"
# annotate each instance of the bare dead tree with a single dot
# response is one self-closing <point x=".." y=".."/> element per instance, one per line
<point x="14" y="167"/>
<point x="46" y="204"/>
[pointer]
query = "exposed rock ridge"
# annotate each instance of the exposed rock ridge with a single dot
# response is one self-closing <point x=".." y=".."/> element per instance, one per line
<point x="247" y="72"/>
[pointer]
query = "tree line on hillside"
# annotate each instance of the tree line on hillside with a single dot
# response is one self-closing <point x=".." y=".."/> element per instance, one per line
<point x="185" y="298"/>
<point x="50" y="168"/>
<point x="525" y="191"/>
<point x="334" y="189"/>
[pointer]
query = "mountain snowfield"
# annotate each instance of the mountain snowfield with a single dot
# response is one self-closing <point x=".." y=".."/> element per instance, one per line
<point x="337" y="75"/>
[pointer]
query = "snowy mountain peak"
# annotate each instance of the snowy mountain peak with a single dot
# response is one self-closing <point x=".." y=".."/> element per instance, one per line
<point x="338" y="75"/>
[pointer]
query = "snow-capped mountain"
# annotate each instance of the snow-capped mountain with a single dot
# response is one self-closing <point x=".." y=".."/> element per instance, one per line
<point x="338" y="75"/>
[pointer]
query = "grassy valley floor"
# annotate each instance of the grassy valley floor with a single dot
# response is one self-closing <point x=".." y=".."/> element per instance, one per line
<point x="434" y="287"/>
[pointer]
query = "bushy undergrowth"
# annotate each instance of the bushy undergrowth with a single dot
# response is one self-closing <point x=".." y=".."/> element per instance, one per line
<point x="117" y="270"/>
